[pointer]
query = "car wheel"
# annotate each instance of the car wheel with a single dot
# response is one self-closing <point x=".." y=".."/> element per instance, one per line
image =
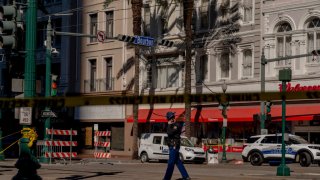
<point x="256" y="159"/>
<point x="144" y="157"/>
<point x="304" y="159"/>
<point x="318" y="163"/>
<point x="181" y="157"/>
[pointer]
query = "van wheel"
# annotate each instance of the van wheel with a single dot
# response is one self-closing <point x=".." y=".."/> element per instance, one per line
<point x="304" y="159"/>
<point x="181" y="157"/>
<point x="256" y="159"/>
<point x="144" y="157"/>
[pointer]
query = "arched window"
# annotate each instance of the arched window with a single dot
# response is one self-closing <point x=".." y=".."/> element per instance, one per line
<point x="313" y="39"/>
<point x="283" y="43"/>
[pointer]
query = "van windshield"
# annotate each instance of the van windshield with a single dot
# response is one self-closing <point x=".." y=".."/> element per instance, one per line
<point x="186" y="142"/>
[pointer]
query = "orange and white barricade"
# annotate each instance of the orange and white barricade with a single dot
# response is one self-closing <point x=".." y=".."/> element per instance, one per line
<point x="57" y="143"/>
<point x="104" y="144"/>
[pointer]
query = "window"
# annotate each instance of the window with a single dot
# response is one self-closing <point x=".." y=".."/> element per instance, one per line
<point x="157" y="139"/>
<point x="247" y="63"/>
<point x="272" y="140"/>
<point x="225" y="65"/>
<point x="147" y="16"/>
<point x="284" y="44"/>
<point x="168" y="76"/>
<point x="108" y="73"/>
<point x="93" y="26"/>
<point x="204" y="14"/>
<point x="313" y="40"/>
<point x="252" y="140"/>
<point x="109" y="24"/>
<point x="247" y="11"/>
<point x="203" y="70"/>
<point x="93" y="74"/>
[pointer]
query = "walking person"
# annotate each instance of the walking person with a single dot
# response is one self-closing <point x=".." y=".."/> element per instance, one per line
<point x="174" y="131"/>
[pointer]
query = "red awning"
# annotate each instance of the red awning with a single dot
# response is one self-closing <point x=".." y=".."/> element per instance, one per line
<point x="297" y="112"/>
<point x="156" y="115"/>
<point x="235" y="114"/>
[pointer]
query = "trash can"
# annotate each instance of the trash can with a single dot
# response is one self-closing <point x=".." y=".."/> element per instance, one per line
<point x="212" y="157"/>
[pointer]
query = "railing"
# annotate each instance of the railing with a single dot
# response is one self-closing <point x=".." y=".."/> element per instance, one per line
<point x="98" y="85"/>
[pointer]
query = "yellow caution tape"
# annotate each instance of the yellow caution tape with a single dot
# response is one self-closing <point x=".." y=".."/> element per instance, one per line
<point x="9" y="146"/>
<point x="117" y="100"/>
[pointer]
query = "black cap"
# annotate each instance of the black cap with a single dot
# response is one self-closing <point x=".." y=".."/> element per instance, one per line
<point x="170" y="115"/>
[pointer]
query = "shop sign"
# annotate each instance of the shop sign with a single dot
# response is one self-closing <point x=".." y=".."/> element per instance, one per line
<point x="299" y="87"/>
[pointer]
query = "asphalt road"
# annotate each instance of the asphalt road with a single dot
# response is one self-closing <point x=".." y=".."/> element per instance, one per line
<point x="120" y="170"/>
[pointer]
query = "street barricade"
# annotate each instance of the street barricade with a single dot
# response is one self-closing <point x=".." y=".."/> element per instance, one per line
<point x="59" y="144"/>
<point x="102" y="148"/>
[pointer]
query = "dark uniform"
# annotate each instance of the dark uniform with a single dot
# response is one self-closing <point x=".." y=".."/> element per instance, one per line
<point x="174" y="132"/>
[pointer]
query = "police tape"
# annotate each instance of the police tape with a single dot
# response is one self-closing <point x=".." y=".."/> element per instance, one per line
<point x="152" y="99"/>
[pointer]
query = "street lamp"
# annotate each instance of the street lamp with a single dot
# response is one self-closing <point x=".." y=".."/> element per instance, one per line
<point x="224" y="125"/>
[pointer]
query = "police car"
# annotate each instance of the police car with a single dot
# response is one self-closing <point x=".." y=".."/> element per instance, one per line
<point x="267" y="148"/>
<point x="153" y="146"/>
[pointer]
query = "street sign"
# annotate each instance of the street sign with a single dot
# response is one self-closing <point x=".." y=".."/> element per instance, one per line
<point x="47" y="113"/>
<point x="101" y="36"/>
<point x="143" y="41"/>
<point x="25" y="115"/>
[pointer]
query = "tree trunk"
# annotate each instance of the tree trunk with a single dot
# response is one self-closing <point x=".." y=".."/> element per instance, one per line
<point x="187" y="13"/>
<point x="136" y="12"/>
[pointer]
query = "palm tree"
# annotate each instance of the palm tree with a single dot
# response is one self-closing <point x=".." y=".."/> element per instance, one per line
<point x="136" y="12"/>
<point x="187" y="16"/>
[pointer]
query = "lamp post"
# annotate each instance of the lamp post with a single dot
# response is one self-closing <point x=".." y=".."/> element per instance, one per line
<point x="224" y="125"/>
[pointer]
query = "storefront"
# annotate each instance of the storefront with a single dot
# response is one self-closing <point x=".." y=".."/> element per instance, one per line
<point x="102" y="118"/>
<point x="301" y="119"/>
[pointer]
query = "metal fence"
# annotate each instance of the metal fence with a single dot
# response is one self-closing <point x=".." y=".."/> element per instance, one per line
<point x="41" y="148"/>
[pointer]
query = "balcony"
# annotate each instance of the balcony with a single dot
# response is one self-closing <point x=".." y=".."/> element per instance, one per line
<point x="99" y="85"/>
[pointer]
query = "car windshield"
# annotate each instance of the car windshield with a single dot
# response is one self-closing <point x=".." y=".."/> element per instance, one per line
<point x="298" y="140"/>
<point x="252" y="140"/>
<point x="186" y="142"/>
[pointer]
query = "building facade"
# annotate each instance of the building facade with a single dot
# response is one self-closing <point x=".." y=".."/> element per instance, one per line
<point x="106" y="70"/>
<point x="292" y="28"/>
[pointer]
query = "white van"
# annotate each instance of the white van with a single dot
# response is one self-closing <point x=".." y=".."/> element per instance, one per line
<point x="153" y="146"/>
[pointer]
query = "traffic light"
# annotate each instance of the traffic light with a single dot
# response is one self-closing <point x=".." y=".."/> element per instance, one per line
<point x="54" y="85"/>
<point x="164" y="42"/>
<point x="268" y="110"/>
<point x="8" y="26"/>
<point x="126" y="38"/>
<point x="268" y="107"/>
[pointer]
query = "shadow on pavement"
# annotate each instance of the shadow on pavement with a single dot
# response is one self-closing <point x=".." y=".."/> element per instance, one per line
<point x="75" y="177"/>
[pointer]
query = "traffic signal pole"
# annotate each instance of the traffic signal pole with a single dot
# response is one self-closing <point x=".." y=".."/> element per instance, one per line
<point x="27" y="162"/>
<point x="47" y="122"/>
<point x="263" y="62"/>
<point x="284" y="76"/>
